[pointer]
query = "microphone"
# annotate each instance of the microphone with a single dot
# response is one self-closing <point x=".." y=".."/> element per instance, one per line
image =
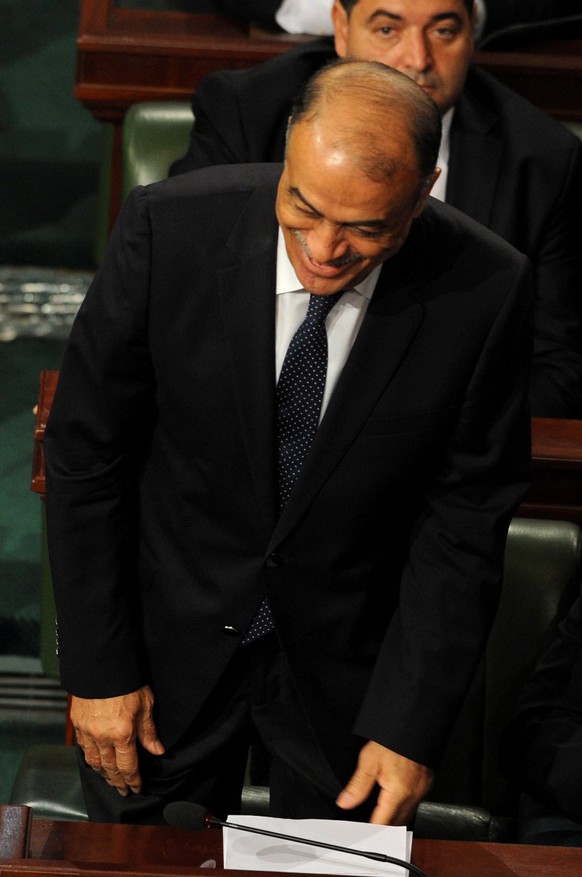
<point x="189" y="816"/>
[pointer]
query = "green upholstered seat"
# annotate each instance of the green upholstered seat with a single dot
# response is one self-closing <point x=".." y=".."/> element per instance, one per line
<point x="541" y="581"/>
<point x="155" y="133"/>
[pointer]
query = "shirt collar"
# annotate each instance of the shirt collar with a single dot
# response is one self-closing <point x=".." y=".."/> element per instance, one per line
<point x="446" y="123"/>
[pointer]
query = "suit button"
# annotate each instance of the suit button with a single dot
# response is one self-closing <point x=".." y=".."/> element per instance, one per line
<point x="231" y="630"/>
<point x="275" y="560"/>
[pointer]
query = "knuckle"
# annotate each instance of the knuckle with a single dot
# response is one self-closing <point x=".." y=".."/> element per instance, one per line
<point x="93" y="761"/>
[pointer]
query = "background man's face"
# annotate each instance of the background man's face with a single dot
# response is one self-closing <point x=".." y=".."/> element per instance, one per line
<point x="429" y="40"/>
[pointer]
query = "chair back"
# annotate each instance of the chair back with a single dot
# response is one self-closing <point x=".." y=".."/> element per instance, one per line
<point x="541" y="581"/>
<point x="155" y="133"/>
<point x="575" y="128"/>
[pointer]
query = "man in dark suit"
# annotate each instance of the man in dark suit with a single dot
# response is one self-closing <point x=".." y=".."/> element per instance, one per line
<point x="505" y="163"/>
<point x="181" y="492"/>
<point x="542" y="749"/>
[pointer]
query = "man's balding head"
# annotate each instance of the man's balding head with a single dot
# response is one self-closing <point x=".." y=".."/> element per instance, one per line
<point x="366" y="103"/>
<point x="360" y="161"/>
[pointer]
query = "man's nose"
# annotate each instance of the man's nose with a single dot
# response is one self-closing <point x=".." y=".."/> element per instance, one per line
<point x="416" y="53"/>
<point x="327" y="242"/>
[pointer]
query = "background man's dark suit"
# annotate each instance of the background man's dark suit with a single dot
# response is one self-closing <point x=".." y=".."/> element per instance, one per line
<point x="543" y="746"/>
<point x="511" y="167"/>
<point x="507" y="13"/>
<point x="382" y="571"/>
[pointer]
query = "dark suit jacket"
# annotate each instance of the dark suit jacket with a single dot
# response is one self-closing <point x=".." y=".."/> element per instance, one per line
<point x="503" y="14"/>
<point x="382" y="572"/>
<point x="543" y="745"/>
<point x="511" y="167"/>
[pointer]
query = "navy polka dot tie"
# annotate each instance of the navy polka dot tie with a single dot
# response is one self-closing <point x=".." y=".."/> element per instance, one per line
<point x="299" y="397"/>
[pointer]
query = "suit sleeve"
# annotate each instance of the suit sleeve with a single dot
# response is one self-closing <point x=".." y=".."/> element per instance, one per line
<point x="556" y="386"/>
<point x="451" y="579"/>
<point x="95" y="440"/>
<point x="542" y="747"/>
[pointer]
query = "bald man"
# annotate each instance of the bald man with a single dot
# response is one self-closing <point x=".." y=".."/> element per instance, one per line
<point x="289" y="434"/>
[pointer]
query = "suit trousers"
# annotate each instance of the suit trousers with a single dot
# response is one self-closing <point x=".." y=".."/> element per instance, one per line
<point x="255" y="700"/>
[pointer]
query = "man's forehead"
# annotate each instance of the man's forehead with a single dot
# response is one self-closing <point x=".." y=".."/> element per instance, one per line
<point x="404" y="8"/>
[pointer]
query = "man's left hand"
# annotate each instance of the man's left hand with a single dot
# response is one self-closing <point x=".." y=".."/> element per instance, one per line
<point x="403" y="784"/>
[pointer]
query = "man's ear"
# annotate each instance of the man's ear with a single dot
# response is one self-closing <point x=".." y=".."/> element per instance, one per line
<point x="427" y="190"/>
<point x="340" y="21"/>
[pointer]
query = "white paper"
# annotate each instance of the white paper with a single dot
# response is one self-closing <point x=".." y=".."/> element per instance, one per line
<point x="255" y="852"/>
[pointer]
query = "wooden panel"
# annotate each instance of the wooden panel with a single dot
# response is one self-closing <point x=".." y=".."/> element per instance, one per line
<point x="15" y="822"/>
<point x="46" y="392"/>
<point x="556" y="490"/>
<point x="546" y="72"/>
<point x="130" y="55"/>
<point x="63" y="848"/>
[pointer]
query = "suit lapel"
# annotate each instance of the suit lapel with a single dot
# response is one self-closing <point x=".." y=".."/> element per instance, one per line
<point x="475" y="159"/>
<point x="247" y="298"/>
<point x="390" y="324"/>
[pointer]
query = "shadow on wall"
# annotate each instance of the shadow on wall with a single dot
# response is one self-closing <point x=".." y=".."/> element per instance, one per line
<point x="49" y="144"/>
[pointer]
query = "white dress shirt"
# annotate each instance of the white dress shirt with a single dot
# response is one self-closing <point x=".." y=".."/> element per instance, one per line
<point x="440" y="187"/>
<point x="342" y="323"/>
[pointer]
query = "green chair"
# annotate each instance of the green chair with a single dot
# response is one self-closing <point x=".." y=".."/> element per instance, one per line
<point x="154" y="134"/>
<point x="575" y="128"/>
<point x="541" y="580"/>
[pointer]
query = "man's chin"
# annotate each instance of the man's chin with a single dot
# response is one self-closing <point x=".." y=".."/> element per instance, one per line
<point x="327" y="279"/>
<point x="324" y="286"/>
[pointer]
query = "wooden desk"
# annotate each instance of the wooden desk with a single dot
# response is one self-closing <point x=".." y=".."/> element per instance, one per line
<point x="556" y="490"/>
<point x="80" y="848"/>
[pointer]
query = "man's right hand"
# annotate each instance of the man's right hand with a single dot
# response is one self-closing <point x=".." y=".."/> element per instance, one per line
<point x="107" y="730"/>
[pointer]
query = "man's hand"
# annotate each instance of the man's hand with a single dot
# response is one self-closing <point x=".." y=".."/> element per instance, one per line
<point x="403" y="783"/>
<point x="107" y="730"/>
